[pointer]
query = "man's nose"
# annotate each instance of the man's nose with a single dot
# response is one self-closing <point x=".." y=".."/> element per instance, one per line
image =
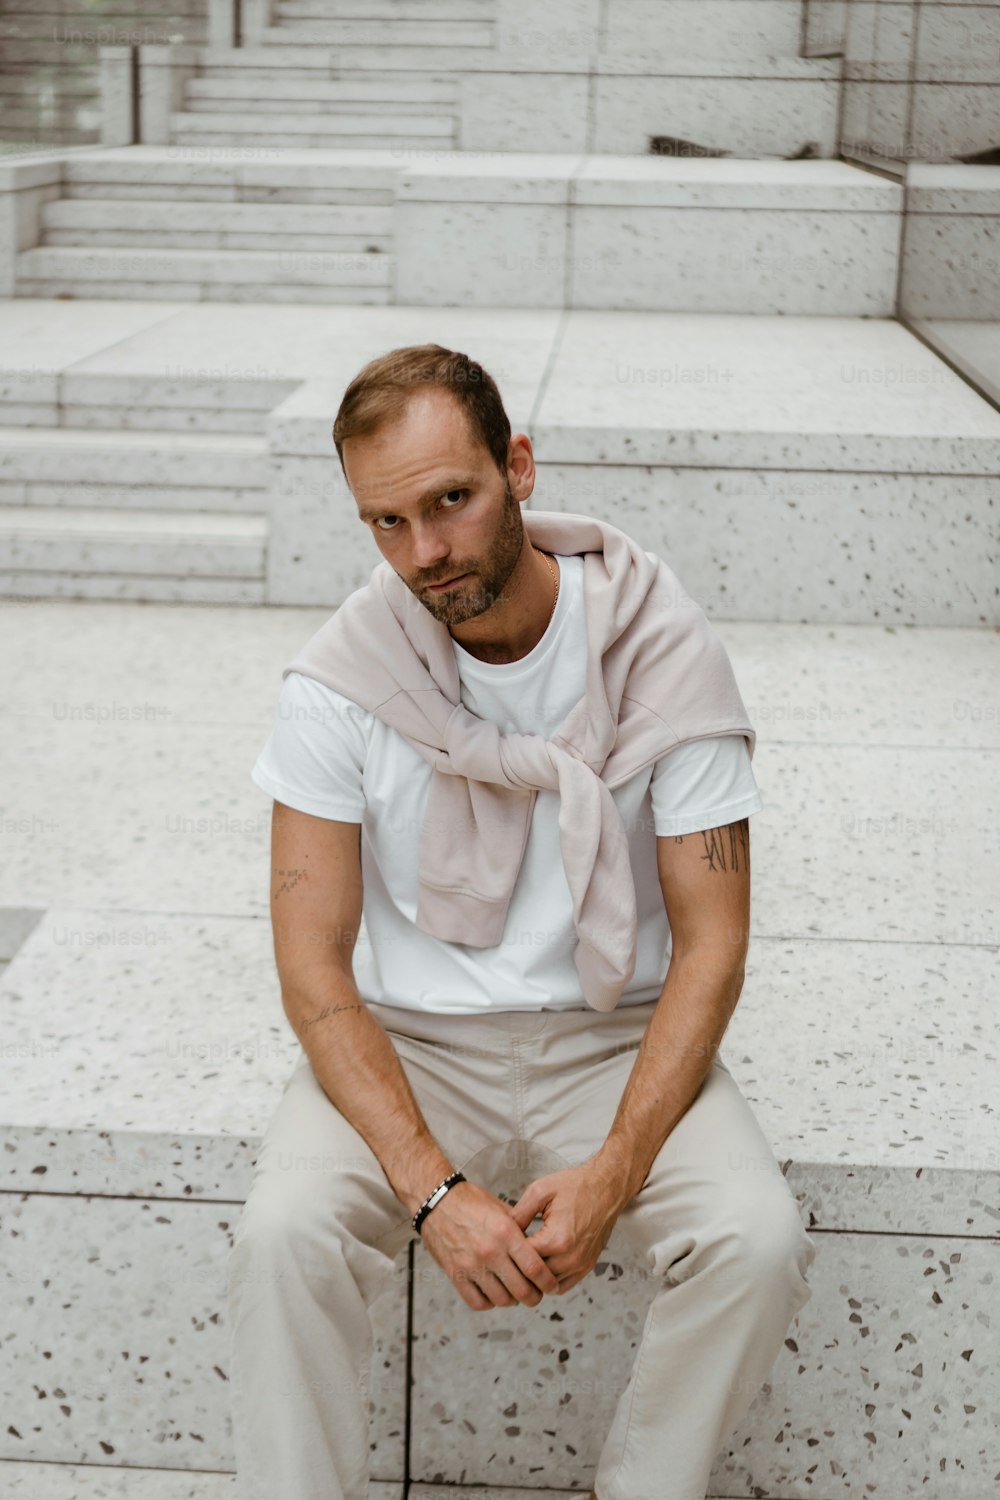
<point x="430" y="545"/>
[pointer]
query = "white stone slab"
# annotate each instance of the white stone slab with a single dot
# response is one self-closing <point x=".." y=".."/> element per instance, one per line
<point x="89" y="459"/>
<point x="170" y="1101"/>
<point x="951" y="119"/>
<point x="42" y="1481"/>
<point x="117" y="1311"/>
<point x="731" y="182"/>
<point x="899" y="549"/>
<point x="718" y="260"/>
<point x="898" y="1326"/>
<point x="461" y="253"/>
<point x="523" y="111"/>
<point x="332" y="342"/>
<point x="84" y="539"/>
<point x="38" y="341"/>
<point x="949" y="267"/>
<point x="656" y="31"/>
<point x="55" y="1481"/>
<point x="952" y="189"/>
<point x="791" y="393"/>
<point x="974" y="347"/>
<point x="746" y="117"/>
<point x="281" y="267"/>
<point x="488" y="177"/>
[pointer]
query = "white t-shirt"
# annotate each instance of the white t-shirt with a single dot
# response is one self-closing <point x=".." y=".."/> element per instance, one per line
<point x="329" y="757"/>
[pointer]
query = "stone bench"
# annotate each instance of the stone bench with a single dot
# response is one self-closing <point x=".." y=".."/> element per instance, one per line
<point x="145" y="1054"/>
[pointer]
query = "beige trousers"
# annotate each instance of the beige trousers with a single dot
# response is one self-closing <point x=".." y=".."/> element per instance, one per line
<point x="715" y="1223"/>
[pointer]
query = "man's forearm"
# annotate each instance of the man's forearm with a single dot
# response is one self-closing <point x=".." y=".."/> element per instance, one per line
<point x="696" y="1003"/>
<point x="359" y="1070"/>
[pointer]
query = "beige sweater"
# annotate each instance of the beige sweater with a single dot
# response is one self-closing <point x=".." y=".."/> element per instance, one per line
<point x="657" y="676"/>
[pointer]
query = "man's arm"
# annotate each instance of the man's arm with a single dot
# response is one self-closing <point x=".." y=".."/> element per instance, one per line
<point x="316" y="905"/>
<point x="705" y="880"/>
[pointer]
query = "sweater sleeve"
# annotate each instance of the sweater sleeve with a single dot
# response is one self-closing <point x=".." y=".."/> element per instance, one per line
<point x="703" y="784"/>
<point x="314" y="757"/>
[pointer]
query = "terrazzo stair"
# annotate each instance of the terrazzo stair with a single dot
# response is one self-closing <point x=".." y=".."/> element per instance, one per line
<point x="324" y="127"/>
<point x="844" y="447"/>
<point x="293" y="106"/>
<point x="165" y="470"/>
<point x="155" y="223"/>
<point x="426" y="24"/>
<point x="121" y="1197"/>
<point x="507" y="229"/>
<point x="82" y="552"/>
<point x="317" y="227"/>
<point x="152" y="487"/>
<point x="313" y="100"/>
<point x="95" y="1482"/>
<point x="207" y="275"/>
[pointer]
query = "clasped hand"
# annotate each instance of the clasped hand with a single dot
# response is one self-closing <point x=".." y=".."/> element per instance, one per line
<point x="483" y="1244"/>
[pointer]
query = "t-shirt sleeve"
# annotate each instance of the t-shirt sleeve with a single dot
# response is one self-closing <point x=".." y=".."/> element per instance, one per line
<point x="314" y="758"/>
<point x="703" y="784"/>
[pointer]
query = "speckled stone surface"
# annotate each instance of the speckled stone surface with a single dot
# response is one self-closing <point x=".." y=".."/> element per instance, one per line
<point x="874" y="957"/>
<point x="975" y="347"/>
<point x="904" y="549"/>
<point x="44" y="1481"/>
<point x="797" y="394"/>
<point x="854" y="1405"/>
<point x="116" y="1339"/>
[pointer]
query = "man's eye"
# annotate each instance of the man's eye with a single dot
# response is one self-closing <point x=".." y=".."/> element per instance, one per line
<point x="380" y="519"/>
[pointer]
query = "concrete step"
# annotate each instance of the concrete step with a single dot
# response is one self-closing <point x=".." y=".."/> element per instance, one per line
<point x="197" y="133"/>
<point x="148" y="1158"/>
<point x="347" y="124"/>
<point x="224" y="226"/>
<point x="100" y="553"/>
<point x="374" y="102"/>
<point x="299" y="174"/>
<point x="303" y="84"/>
<point x="420" y="55"/>
<point x="95" y="1482"/>
<point x="383" y="10"/>
<point x="652" y="32"/>
<point x="362" y="32"/>
<point x="151" y="470"/>
<point x="200" y="275"/>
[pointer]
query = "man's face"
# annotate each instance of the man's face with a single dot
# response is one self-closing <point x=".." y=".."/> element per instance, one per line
<point x="437" y="506"/>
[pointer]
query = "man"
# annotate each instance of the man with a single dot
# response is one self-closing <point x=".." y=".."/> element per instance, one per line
<point x="554" y="968"/>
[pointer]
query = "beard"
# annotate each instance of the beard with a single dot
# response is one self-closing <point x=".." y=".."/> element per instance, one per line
<point x="487" y="577"/>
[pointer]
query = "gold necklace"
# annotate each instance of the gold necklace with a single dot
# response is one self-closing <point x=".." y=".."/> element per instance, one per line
<point x="555" y="573"/>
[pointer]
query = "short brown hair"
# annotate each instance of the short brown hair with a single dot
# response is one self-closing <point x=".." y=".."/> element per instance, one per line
<point x="381" y="390"/>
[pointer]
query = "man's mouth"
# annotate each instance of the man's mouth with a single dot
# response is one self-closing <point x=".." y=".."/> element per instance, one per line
<point x="448" y="582"/>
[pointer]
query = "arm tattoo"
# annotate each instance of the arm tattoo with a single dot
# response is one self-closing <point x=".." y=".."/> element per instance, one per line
<point x="291" y="880"/>
<point x="330" y="1010"/>
<point x="726" y="848"/>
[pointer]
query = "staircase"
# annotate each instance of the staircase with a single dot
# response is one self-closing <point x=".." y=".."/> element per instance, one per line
<point x="289" y="106"/>
<point x="139" y="487"/>
<point x="281" y="232"/>
<point x="399" y="24"/>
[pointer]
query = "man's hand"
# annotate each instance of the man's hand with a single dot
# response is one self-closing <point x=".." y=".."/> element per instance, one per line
<point x="580" y="1207"/>
<point x="473" y="1236"/>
